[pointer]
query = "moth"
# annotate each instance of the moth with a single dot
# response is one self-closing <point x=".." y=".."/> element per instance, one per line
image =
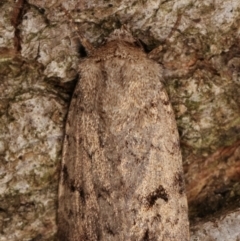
<point x="121" y="174"/>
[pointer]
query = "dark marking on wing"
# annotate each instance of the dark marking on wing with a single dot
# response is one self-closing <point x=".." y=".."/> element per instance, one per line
<point x="160" y="192"/>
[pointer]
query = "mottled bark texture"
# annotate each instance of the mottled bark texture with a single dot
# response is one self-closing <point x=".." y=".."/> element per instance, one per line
<point x="198" y="48"/>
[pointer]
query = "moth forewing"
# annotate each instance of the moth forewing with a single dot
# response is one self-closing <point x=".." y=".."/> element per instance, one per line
<point x="121" y="176"/>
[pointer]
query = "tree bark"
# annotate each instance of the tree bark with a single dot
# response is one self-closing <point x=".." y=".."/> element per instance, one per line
<point x="197" y="44"/>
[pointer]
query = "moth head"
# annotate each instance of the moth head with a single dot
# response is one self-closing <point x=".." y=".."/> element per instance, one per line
<point x="122" y="34"/>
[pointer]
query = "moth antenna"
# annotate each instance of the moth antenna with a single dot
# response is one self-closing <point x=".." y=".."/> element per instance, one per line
<point x="86" y="44"/>
<point x="127" y="28"/>
<point x="152" y="54"/>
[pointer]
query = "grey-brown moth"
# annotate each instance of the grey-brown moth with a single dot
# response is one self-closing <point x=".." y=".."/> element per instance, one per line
<point x="121" y="175"/>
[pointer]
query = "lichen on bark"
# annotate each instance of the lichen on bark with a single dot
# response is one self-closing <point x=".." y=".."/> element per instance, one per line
<point x="198" y="47"/>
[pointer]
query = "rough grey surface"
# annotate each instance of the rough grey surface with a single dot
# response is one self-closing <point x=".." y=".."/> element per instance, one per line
<point x="30" y="146"/>
<point x="205" y="99"/>
<point x="222" y="228"/>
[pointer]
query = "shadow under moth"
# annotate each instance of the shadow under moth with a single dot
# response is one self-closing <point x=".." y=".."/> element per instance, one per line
<point x="121" y="175"/>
